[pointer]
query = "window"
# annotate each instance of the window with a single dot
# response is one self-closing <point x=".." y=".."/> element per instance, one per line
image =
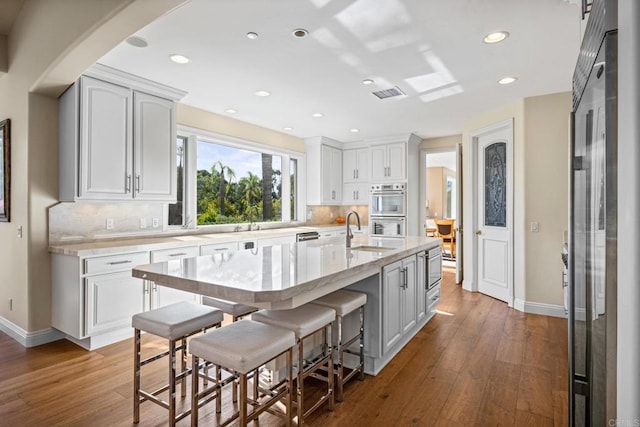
<point x="225" y="180"/>
<point x="177" y="210"/>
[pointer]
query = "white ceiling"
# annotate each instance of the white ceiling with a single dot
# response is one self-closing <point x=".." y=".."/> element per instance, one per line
<point x="431" y="49"/>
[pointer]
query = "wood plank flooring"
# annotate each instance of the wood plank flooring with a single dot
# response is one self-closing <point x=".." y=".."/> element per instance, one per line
<point x="477" y="362"/>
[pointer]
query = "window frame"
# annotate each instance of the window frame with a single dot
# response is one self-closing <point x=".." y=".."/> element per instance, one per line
<point x="193" y="135"/>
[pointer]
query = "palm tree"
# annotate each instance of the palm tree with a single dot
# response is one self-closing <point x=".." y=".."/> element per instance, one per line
<point x="252" y="188"/>
<point x="267" y="186"/>
<point x="224" y="186"/>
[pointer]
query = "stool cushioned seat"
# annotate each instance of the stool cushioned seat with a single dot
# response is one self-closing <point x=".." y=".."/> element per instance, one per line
<point x="176" y="320"/>
<point x="301" y="320"/>
<point x="233" y="308"/>
<point x="342" y="301"/>
<point x="242" y="346"/>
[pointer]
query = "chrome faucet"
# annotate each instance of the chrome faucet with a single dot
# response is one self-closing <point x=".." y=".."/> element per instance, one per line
<point x="349" y="233"/>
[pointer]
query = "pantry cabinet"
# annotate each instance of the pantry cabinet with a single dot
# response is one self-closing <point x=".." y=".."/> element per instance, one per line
<point x="116" y="141"/>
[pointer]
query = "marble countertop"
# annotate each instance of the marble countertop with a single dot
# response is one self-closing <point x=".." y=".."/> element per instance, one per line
<point x="284" y="275"/>
<point x="106" y="247"/>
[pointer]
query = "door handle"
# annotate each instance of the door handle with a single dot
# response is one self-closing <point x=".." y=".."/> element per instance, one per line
<point x="478" y="232"/>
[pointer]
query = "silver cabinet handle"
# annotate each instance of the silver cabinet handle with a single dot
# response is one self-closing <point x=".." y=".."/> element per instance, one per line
<point x="178" y="254"/>
<point x="221" y="249"/>
<point x="357" y="173"/>
<point x="357" y="195"/>
<point x="354" y="174"/>
<point x="127" y="184"/>
<point x="120" y="262"/>
<point x="137" y="183"/>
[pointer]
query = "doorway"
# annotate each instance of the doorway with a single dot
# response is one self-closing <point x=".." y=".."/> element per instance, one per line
<point x="441" y="202"/>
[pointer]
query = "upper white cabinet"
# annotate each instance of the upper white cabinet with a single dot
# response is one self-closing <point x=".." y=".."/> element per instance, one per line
<point x="116" y="140"/>
<point x="355" y="165"/>
<point x="324" y="172"/>
<point x="389" y="162"/>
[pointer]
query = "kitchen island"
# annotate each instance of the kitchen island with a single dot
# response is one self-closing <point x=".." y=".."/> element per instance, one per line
<point x="288" y="275"/>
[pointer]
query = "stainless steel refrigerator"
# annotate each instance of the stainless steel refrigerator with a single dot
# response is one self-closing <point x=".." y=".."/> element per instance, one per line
<point x="592" y="260"/>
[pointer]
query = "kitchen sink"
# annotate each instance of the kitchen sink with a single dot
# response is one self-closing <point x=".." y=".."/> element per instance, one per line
<point x="366" y="248"/>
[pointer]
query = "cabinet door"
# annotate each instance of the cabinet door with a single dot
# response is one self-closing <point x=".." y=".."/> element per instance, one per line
<point x="396" y="161"/>
<point x="363" y="165"/>
<point x="355" y="194"/>
<point x="105" y="140"/>
<point x="154" y="148"/>
<point x="409" y="307"/>
<point x="328" y="192"/>
<point x="421" y="280"/>
<point x="392" y="291"/>
<point x="378" y="163"/>
<point x="349" y="166"/>
<point x="335" y="172"/>
<point x="163" y="295"/>
<point x="111" y="301"/>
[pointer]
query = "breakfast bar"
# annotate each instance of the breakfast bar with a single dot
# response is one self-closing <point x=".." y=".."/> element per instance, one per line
<point x="288" y="275"/>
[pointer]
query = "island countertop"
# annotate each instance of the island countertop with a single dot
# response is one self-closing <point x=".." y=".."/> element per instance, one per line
<point x="284" y="275"/>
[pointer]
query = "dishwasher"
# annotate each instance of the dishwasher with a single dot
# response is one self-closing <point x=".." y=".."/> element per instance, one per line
<point x="307" y="235"/>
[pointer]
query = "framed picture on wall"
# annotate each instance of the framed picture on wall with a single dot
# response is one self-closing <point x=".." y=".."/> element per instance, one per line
<point x="5" y="169"/>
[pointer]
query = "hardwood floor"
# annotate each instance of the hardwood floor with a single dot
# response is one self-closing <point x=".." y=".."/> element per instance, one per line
<point x="477" y="362"/>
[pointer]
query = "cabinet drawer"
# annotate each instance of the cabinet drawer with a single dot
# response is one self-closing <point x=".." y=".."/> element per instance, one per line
<point x="115" y="262"/>
<point x="433" y="298"/>
<point x="174" y="253"/>
<point x="218" y="247"/>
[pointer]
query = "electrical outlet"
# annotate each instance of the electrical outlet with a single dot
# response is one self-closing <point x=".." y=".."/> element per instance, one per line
<point x="535" y="227"/>
<point x="155" y="222"/>
<point x="143" y="223"/>
<point x="109" y="224"/>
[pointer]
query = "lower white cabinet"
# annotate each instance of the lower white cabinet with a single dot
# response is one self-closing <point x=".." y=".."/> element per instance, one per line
<point x="399" y="291"/>
<point x="159" y="296"/>
<point x="111" y="301"/>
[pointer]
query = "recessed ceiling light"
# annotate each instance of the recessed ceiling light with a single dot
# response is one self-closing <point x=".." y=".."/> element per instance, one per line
<point x="507" y="80"/>
<point x="287" y="128"/>
<point x="354" y="130"/>
<point x="300" y="33"/>
<point x="137" y="41"/>
<point x="230" y="111"/>
<point x="495" y="37"/>
<point x="317" y="115"/>
<point x="262" y="93"/>
<point x="251" y="35"/>
<point x="367" y="82"/>
<point x="179" y="59"/>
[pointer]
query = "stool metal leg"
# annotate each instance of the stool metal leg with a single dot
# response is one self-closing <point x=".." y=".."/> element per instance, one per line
<point x="289" y="399"/>
<point x="300" y="382"/>
<point x="183" y="366"/>
<point x="243" y="400"/>
<point x="195" y="383"/>
<point x="172" y="383"/>
<point x="361" y="376"/>
<point x="136" y="376"/>
<point x="340" y="368"/>
<point x="329" y="349"/>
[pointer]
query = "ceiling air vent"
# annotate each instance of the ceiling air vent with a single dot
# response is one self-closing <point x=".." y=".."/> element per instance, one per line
<point x="389" y="93"/>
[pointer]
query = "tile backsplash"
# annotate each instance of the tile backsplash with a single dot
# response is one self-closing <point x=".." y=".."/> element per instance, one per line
<point x="74" y="222"/>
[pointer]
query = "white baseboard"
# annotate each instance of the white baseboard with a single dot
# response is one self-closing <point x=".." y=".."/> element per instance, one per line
<point x="29" y="339"/>
<point x="539" y="308"/>
<point x="467" y="285"/>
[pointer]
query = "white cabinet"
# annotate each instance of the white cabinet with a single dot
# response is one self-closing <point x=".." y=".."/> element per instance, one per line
<point x="355" y="165"/>
<point x="214" y="248"/>
<point x="399" y="295"/>
<point x="96" y="295"/>
<point x="116" y="142"/>
<point x="324" y="172"/>
<point x="331" y="175"/>
<point x="163" y="295"/>
<point x="389" y="162"/>
<point x="355" y="194"/>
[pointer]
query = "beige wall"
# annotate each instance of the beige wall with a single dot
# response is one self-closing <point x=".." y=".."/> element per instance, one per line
<point x="201" y="119"/>
<point x="450" y="141"/>
<point x="546" y="193"/>
<point x="50" y="44"/>
<point x="540" y="149"/>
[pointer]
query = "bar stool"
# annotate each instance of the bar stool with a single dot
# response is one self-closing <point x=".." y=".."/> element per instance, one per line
<point x="345" y="302"/>
<point x="234" y="309"/>
<point x="175" y="322"/>
<point x="241" y="348"/>
<point x="305" y="321"/>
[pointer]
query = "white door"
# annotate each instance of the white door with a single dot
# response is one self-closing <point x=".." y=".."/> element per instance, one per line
<point x="459" y="229"/>
<point x="493" y="215"/>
